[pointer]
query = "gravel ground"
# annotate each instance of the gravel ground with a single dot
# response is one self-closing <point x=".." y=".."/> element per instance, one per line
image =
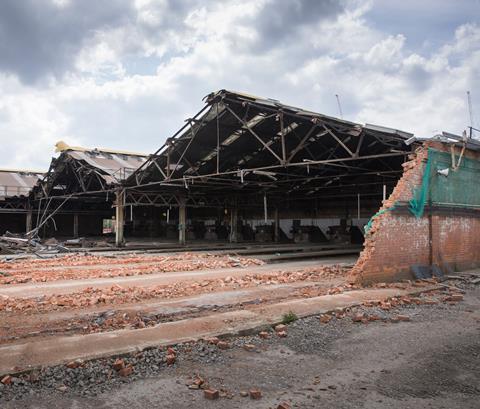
<point x="433" y="360"/>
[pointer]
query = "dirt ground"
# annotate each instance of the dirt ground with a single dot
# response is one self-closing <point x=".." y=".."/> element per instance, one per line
<point x="431" y="361"/>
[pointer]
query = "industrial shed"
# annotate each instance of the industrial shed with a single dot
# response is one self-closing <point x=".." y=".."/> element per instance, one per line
<point x="15" y="186"/>
<point x="246" y="168"/>
<point x="75" y="197"/>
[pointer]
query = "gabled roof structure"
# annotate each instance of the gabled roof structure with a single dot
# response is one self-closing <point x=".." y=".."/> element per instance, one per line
<point x="17" y="182"/>
<point x="83" y="170"/>
<point x="244" y="145"/>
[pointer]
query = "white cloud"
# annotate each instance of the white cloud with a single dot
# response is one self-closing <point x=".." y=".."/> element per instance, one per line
<point x="188" y="52"/>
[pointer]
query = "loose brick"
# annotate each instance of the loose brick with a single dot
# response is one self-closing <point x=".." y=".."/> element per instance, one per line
<point x="170" y="359"/>
<point x="325" y="319"/>
<point x="282" y="334"/>
<point x="223" y="345"/>
<point x="249" y="347"/>
<point x="211" y="394"/>
<point x="264" y="335"/>
<point x="284" y="405"/>
<point x="255" y="394"/>
<point x="358" y="317"/>
<point x="280" y="327"/>
<point x="7" y="380"/>
<point x="454" y="297"/>
<point x="403" y="317"/>
<point x="127" y="371"/>
<point x="118" y="364"/>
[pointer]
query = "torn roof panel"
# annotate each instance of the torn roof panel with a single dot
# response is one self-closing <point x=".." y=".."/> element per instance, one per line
<point x="17" y="182"/>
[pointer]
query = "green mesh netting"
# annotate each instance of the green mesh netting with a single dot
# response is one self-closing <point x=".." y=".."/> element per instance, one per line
<point x="368" y="226"/>
<point x="459" y="188"/>
<point x="420" y="195"/>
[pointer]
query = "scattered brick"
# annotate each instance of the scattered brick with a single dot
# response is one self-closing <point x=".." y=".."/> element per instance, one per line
<point x="282" y="334"/>
<point x="7" y="380"/>
<point x="403" y="317"/>
<point x="284" y="405"/>
<point x="211" y="394"/>
<point x="223" y="345"/>
<point x="280" y="327"/>
<point x="249" y="347"/>
<point x="255" y="394"/>
<point x="358" y="317"/>
<point x="118" y="364"/>
<point x="170" y="359"/>
<point x="264" y="335"/>
<point x="128" y="370"/>
<point x="454" y="297"/>
<point x="325" y="319"/>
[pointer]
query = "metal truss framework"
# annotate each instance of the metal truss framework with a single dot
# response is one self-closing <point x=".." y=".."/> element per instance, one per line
<point x="238" y="145"/>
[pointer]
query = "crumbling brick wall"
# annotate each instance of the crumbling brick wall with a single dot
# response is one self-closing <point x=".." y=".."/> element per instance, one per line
<point x="397" y="240"/>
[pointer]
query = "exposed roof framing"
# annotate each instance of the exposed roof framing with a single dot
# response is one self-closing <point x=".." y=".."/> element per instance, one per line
<point x="82" y="170"/>
<point x="240" y="144"/>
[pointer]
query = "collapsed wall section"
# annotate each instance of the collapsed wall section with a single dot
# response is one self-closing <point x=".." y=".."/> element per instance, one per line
<point x="442" y="231"/>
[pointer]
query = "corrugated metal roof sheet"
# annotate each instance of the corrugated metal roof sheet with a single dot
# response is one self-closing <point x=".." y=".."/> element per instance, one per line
<point x="17" y="182"/>
<point x="113" y="166"/>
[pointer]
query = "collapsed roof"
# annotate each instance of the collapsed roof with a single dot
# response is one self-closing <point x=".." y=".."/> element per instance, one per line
<point x="243" y="145"/>
<point x="17" y="182"/>
<point x="84" y="170"/>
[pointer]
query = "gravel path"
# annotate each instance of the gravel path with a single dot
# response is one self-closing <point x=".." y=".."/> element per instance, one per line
<point x="432" y="360"/>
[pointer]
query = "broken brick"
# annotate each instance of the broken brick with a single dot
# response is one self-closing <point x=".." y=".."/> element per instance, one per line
<point x="280" y="327"/>
<point x="255" y="394"/>
<point x="223" y="345"/>
<point x="282" y="334"/>
<point x="284" y="405"/>
<point x="324" y="319"/>
<point x="249" y="347"/>
<point x="264" y="335"/>
<point x="454" y="297"/>
<point x="403" y="317"/>
<point x="358" y="317"/>
<point x="128" y="370"/>
<point x="118" y="364"/>
<point x="7" y="380"/>
<point x="211" y="394"/>
<point x="170" y="359"/>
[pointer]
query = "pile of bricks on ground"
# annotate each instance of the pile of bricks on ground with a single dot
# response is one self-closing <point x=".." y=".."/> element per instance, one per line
<point x="117" y="294"/>
<point x="368" y="311"/>
<point x="70" y="267"/>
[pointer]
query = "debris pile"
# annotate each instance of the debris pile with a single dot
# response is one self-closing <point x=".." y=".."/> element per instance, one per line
<point x="117" y="294"/>
<point x="79" y="266"/>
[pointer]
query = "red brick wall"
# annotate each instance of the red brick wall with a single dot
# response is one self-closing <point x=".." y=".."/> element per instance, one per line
<point x="397" y="241"/>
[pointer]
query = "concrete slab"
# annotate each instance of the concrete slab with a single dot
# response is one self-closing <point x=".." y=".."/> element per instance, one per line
<point x="57" y="350"/>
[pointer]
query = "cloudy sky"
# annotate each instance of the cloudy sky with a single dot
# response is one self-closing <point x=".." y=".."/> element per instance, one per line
<point x="126" y="73"/>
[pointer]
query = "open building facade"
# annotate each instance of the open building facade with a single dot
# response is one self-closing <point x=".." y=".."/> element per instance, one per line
<point x="252" y="170"/>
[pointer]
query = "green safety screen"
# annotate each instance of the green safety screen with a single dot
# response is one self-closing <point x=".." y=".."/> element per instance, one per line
<point x="460" y="188"/>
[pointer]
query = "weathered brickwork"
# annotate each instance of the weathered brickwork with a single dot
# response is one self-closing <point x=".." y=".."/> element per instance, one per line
<point x="398" y="240"/>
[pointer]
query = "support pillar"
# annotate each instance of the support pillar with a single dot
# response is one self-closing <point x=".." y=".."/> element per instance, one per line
<point x="119" y="217"/>
<point x="276" y="227"/>
<point x="182" y="221"/>
<point x="234" y="225"/>
<point x="28" y="221"/>
<point x="75" y="225"/>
